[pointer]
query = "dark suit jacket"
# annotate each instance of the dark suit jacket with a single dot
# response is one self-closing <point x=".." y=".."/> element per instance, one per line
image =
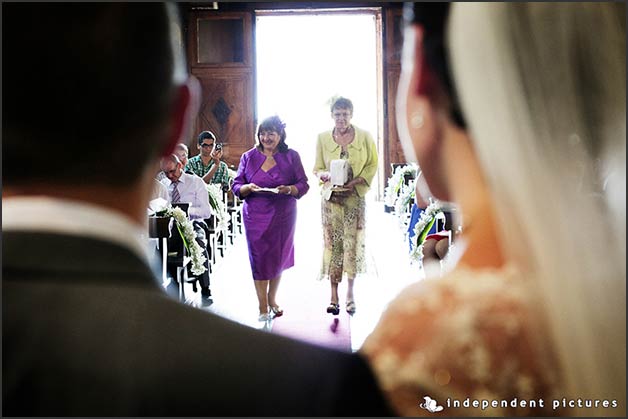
<point x="87" y="331"/>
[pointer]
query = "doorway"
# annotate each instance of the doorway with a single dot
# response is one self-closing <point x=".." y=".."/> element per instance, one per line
<point x="305" y="58"/>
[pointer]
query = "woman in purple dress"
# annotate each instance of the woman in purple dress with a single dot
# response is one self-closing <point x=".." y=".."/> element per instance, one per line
<point x="270" y="179"/>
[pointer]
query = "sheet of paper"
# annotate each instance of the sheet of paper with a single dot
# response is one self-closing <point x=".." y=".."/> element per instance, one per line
<point x="273" y="190"/>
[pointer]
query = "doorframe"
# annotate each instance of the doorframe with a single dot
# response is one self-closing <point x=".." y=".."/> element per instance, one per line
<point x="377" y="12"/>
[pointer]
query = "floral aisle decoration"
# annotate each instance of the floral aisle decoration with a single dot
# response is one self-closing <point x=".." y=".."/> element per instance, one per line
<point x="232" y="174"/>
<point x="218" y="205"/>
<point x="186" y="230"/>
<point x="396" y="183"/>
<point x="422" y="227"/>
<point x="406" y="195"/>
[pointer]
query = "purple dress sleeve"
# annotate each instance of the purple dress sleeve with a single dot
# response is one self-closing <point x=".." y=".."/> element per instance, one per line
<point x="240" y="178"/>
<point x="299" y="174"/>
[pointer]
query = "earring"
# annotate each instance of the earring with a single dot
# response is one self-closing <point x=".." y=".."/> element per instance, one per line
<point x="417" y="119"/>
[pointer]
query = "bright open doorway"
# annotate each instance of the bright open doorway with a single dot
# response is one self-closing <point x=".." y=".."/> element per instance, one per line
<point x="303" y="59"/>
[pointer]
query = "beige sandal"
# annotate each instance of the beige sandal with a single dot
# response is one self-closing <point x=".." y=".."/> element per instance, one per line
<point x="351" y="307"/>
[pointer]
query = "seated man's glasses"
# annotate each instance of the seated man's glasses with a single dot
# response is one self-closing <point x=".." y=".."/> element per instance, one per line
<point x="170" y="172"/>
<point x="205" y="145"/>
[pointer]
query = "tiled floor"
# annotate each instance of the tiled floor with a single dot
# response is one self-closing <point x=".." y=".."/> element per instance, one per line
<point x="389" y="270"/>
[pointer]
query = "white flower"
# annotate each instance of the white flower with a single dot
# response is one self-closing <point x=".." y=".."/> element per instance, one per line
<point x="406" y="195"/>
<point x="396" y="182"/>
<point x="218" y="205"/>
<point x="426" y="220"/>
<point x="186" y="229"/>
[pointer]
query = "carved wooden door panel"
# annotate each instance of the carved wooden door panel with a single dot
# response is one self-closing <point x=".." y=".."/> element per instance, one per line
<point x="220" y="55"/>
<point x="394" y="41"/>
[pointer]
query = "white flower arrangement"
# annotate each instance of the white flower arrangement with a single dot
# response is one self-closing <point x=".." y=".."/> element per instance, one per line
<point x="186" y="229"/>
<point x="232" y="174"/>
<point x="396" y="182"/>
<point x="218" y="205"/>
<point x="422" y="227"/>
<point x="406" y="195"/>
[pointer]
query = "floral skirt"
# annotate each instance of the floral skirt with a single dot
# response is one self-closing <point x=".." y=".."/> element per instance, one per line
<point x="343" y="235"/>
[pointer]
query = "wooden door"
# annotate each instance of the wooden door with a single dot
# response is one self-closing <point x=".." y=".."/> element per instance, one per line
<point x="220" y="55"/>
<point x="393" y="41"/>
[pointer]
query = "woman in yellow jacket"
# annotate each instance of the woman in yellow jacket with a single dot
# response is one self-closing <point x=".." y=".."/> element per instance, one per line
<point x="343" y="208"/>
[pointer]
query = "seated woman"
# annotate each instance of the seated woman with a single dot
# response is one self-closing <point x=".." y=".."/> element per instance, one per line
<point x="511" y="115"/>
<point x="435" y="245"/>
<point x="420" y="203"/>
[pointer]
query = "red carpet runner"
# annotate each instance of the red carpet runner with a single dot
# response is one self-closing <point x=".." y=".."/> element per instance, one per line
<point x="304" y="302"/>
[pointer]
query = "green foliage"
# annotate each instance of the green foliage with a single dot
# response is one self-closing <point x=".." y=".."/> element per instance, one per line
<point x="421" y="237"/>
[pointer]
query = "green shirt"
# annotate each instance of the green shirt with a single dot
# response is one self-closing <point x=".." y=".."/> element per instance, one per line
<point x="195" y="164"/>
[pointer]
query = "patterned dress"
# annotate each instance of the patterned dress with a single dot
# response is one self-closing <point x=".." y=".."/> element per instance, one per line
<point x="343" y="221"/>
<point x="475" y="334"/>
<point x="343" y="235"/>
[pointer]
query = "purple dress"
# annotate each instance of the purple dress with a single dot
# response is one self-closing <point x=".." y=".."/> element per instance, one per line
<point x="269" y="218"/>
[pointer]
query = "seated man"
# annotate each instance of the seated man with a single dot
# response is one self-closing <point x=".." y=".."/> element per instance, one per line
<point x="182" y="152"/>
<point x="86" y="327"/>
<point x="207" y="164"/>
<point x="186" y="188"/>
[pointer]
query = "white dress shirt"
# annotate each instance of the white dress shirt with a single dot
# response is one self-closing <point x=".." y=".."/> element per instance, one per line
<point x="76" y="218"/>
<point x="192" y="189"/>
<point x="160" y="191"/>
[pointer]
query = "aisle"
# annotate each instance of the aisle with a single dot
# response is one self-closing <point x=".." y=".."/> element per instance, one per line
<point x="389" y="271"/>
<point x="303" y="297"/>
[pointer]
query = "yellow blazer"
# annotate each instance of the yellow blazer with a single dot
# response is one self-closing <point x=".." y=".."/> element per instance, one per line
<point x="362" y="156"/>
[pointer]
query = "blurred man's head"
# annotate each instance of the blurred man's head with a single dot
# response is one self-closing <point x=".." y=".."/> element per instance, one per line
<point x="181" y="151"/>
<point x="109" y="92"/>
<point x="172" y="167"/>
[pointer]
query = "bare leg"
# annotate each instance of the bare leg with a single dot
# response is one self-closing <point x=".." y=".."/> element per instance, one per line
<point x="261" y="288"/>
<point x="431" y="261"/>
<point x="333" y="306"/>
<point x="350" y="298"/>
<point x="429" y="250"/>
<point x="350" y="282"/>
<point x="334" y="291"/>
<point x="272" y="291"/>
<point x="272" y="296"/>
<point x="441" y="248"/>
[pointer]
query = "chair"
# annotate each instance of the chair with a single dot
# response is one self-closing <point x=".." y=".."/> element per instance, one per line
<point x="212" y="239"/>
<point x="178" y="262"/>
<point x="234" y="209"/>
<point x="216" y="238"/>
<point x="159" y="229"/>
